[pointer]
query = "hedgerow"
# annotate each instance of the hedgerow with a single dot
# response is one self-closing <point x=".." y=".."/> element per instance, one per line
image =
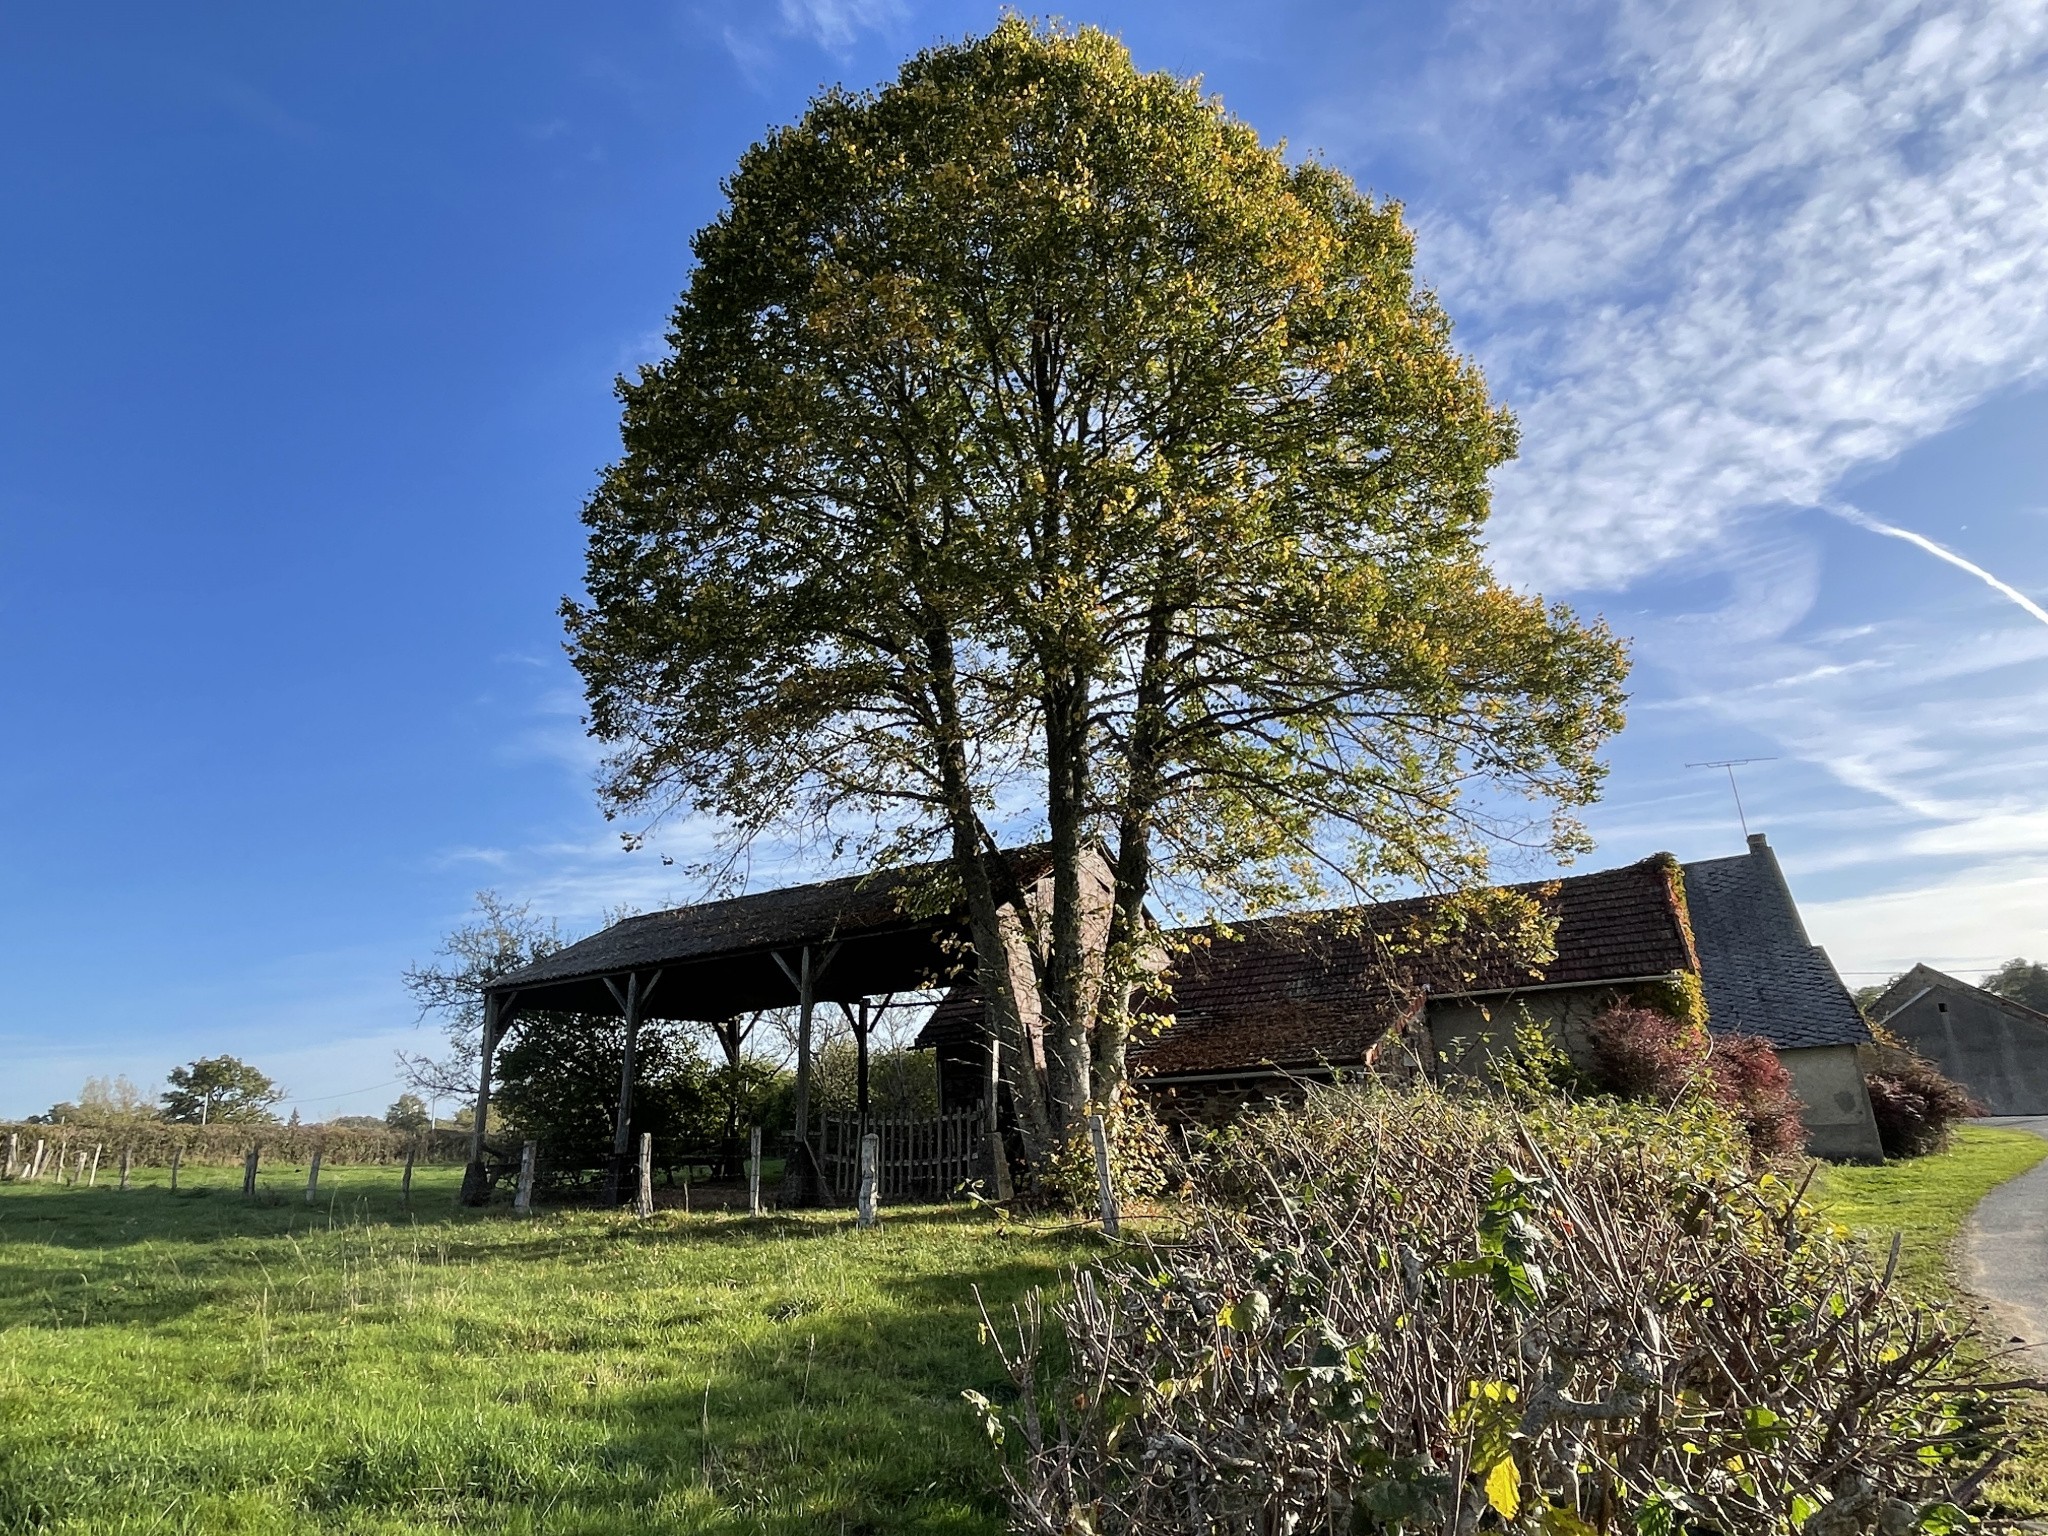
<point x="1404" y="1312"/>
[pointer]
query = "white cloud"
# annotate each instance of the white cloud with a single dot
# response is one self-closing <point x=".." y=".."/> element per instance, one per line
<point x="834" y="24"/>
<point x="1798" y="238"/>
<point x="1966" y="924"/>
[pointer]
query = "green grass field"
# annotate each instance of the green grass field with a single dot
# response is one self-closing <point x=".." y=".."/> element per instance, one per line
<point x="1927" y="1200"/>
<point x="199" y="1363"/>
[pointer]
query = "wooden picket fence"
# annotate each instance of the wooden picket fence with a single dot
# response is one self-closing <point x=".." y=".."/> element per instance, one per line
<point x="924" y="1157"/>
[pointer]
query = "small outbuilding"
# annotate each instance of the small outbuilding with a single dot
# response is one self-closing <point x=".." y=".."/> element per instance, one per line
<point x="1764" y="976"/>
<point x="1994" y="1047"/>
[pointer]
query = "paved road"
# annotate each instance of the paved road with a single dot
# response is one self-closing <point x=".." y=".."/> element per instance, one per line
<point x="2005" y="1247"/>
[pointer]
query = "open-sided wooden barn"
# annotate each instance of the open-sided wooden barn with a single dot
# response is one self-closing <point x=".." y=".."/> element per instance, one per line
<point x="1252" y="1010"/>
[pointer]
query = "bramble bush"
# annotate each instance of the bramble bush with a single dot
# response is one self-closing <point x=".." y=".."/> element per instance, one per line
<point x="1639" y="1053"/>
<point x="1403" y="1312"/>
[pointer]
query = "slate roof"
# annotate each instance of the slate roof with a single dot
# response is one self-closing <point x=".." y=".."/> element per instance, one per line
<point x="1906" y="990"/>
<point x="1761" y="973"/>
<point x="1319" y="987"/>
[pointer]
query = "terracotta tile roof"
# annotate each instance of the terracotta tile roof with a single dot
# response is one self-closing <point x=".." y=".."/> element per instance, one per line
<point x="1299" y="990"/>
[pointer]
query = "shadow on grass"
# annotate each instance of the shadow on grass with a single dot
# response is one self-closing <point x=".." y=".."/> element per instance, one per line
<point x="846" y="1425"/>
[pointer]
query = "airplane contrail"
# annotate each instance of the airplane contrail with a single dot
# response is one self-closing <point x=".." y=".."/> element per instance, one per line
<point x="1864" y="520"/>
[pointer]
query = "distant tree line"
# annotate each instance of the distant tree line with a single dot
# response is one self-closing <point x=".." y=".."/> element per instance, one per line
<point x="217" y="1091"/>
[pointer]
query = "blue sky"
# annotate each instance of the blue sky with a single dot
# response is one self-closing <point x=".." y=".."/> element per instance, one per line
<point x="308" y="319"/>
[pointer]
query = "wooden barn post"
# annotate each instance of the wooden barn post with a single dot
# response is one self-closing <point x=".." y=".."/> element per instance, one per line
<point x="622" y="1121"/>
<point x="801" y="1178"/>
<point x="476" y="1182"/>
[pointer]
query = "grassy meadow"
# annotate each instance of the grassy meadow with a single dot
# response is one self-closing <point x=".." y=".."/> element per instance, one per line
<point x="195" y="1362"/>
<point x="199" y="1363"/>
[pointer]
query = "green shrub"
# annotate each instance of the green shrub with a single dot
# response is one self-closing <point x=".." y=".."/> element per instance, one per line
<point x="1142" y="1163"/>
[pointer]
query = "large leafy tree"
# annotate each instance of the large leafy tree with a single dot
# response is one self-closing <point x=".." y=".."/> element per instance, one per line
<point x="1032" y="430"/>
<point x="559" y="1084"/>
<point x="220" y="1090"/>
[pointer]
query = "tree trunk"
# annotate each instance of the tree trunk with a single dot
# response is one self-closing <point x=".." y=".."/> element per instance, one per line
<point x="1065" y="1000"/>
<point x="984" y="919"/>
<point x="1124" y="954"/>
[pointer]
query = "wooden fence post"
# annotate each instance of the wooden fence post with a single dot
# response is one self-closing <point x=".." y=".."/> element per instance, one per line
<point x="1111" y="1216"/>
<point x="754" y="1174"/>
<point x="522" y="1198"/>
<point x="177" y="1157"/>
<point x="127" y="1162"/>
<point x="13" y="1152"/>
<point x="35" y="1165"/>
<point x="63" y="1158"/>
<point x="870" y="1171"/>
<point x="643" y="1198"/>
<point x="78" y="1175"/>
<point x="313" y="1177"/>
<point x="249" y="1161"/>
<point x="405" y="1179"/>
<point x="94" y="1177"/>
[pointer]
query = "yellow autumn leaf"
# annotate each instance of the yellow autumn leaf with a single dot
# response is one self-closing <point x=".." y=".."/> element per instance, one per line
<point x="1504" y="1488"/>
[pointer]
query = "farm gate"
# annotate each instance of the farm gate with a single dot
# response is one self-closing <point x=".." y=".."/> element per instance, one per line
<point x="923" y="1157"/>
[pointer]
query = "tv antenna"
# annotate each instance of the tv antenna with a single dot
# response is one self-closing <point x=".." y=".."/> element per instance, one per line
<point x="1731" y="764"/>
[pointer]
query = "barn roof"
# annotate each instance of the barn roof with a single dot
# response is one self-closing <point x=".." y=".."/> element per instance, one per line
<point x="1300" y="991"/>
<point x="894" y="930"/>
<point x="1908" y="989"/>
<point x="1761" y="973"/>
<point x="1304" y="989"/>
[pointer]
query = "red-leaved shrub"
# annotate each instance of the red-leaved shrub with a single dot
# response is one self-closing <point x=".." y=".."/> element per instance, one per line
<point x="1916" y="1106"/>
<point x="1754" y="1085"/>
<point x="1639" y="1053"/>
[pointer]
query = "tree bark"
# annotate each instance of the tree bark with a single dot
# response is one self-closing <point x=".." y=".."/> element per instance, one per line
<point x="972" y="865"/>
<point x="1064" y="1000"/>
<point x="1144" y="765"/>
